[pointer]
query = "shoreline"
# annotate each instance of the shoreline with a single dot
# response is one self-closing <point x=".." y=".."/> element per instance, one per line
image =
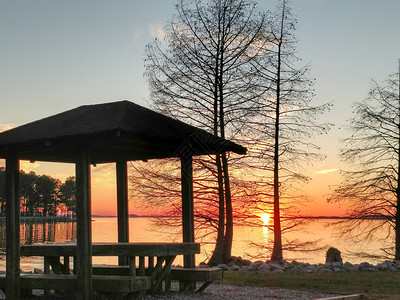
<point x="42" y="219"/>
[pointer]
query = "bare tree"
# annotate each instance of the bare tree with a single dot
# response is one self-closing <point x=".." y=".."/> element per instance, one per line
<point x="372" y="186"/>
<point x="202" y="75"/>
<point x="288" y="120"/>
<point x="229" y="70"/>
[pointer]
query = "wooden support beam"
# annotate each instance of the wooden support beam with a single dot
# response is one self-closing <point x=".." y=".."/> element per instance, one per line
<point x="12" y="227"/>
<point x="187" y="207"/>
<point x="122" y="206"/>
<point x="84" y="226"/>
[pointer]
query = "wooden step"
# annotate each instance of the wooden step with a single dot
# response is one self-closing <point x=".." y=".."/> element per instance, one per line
<point x="101" y="283"/>
<point x="196" y="274"/>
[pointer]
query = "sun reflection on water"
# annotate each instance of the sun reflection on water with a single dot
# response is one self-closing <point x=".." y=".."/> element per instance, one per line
<point x="265" y="219"/>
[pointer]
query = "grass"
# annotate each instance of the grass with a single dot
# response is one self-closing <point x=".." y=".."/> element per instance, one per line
<point x="373" y="285"/>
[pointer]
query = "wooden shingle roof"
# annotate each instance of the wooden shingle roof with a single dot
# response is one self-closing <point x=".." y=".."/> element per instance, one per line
<point x="112" y="131"/>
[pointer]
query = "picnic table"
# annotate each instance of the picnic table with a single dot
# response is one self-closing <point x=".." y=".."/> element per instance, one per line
<point x="145" y="261"/>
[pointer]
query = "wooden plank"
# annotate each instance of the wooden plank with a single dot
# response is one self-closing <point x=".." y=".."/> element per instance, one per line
<point x="111" y="270"/>
<point x="162" y="275"/>
<point x="67" y="269"/>
<point x="196" y="274"/>
<point x="145" y="249"/>
<point x="45" y="281"/>
<point x="113" y="249"/>
<point x="12" y="227"/>
<point x="122" y="206"/>
<point x="151" y="264"/>
<point x="102" y="283"/>
<point x="132" y="265"/>
<point x="84" y="218"/>
<point x="141" y="266"/>
<point x="60" y="249"/>
<point x="112" y="283"/>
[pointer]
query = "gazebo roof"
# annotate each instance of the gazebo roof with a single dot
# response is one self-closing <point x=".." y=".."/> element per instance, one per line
<point x="113" y="131"/>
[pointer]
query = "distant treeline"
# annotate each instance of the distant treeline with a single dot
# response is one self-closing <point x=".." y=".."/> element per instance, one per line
<point x="42" y="195"/>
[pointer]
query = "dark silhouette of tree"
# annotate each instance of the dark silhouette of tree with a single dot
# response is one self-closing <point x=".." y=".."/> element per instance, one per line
<point x="372" y="185"/>
<point x="202" y="75"/>
<point x="47" y="190"/>
<point x="29" y="195"/>
<point x="232" y="71"/>
<point x="41" y="193"/>
<point x="67" y="193"/>
<point x="289" y="118"/>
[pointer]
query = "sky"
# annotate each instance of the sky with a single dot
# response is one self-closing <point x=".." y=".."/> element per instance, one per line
<point x="57" y="55"/>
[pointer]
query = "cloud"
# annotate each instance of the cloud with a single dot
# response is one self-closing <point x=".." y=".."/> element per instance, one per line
<point x="157" y="31"/>
<point x="27" y="166"/>
<point x="4" y="127"/>
<point x="104" y="174"/>
<point x="323" y="172"/>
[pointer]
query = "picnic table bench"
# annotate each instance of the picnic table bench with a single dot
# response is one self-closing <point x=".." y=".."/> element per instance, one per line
<point x="148" y="266"/>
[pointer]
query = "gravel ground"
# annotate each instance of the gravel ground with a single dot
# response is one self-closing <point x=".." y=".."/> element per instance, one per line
<point x="231" y="292"/>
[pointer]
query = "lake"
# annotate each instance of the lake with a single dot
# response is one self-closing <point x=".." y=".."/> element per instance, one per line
<point x="104" y="229"/>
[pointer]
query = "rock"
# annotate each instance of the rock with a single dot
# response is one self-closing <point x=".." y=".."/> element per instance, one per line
<point x="255" y="265"/>
<point x="333" y="255"/>
<point x="337" y="264"/>
<point x="274" y="266"/>
<point x="234" y="268"/>
<point x="203" y="265"/>
<point x="37" y="271"/>
<point x="263" y="267"/>
<point x="355" y="268"/>
<point x="311" y="269"/>
<point x="239" y="261"/>
<point x="2" y="295"/>
<point x="367" y="267"/>
<point x="223" y="266"/>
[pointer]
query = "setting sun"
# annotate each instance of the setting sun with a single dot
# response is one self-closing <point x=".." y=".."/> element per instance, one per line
<point x="265" y="218"/>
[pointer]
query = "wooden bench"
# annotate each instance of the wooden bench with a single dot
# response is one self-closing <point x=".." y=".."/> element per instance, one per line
<point x="110" y="270"/>
<point x="101" y="283"/>
<point x="206" y="275"/>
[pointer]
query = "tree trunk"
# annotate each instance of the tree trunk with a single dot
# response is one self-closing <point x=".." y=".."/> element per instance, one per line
<point x="217" y="256"/>
<point x="229" y="212"/>
<point x="277" y="249"/>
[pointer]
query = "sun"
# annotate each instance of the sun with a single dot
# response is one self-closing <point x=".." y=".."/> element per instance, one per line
<point x="265" y="219"/>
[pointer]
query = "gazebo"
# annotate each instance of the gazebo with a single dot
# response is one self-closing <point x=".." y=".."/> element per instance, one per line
<point x="111" y="132"/>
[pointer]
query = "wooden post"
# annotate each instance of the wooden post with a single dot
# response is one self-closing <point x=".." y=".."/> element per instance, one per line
<point x="12" y="227"/>
<point x="84" y="226"/>
<point x="122" y="206"/>
<point x="187" y="208"/>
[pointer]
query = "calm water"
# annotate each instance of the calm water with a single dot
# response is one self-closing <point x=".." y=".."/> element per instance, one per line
<point x="141" y="230"/>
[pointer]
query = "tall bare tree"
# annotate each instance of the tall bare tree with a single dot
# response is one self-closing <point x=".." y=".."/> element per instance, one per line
<point x="230" y="70"/>
<point x="287" y="120"/>
<point x="372" y="186"/>
<point x="201" y="74"/>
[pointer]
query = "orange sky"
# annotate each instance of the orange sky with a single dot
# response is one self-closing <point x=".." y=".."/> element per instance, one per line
<point x="104" y="187"/>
